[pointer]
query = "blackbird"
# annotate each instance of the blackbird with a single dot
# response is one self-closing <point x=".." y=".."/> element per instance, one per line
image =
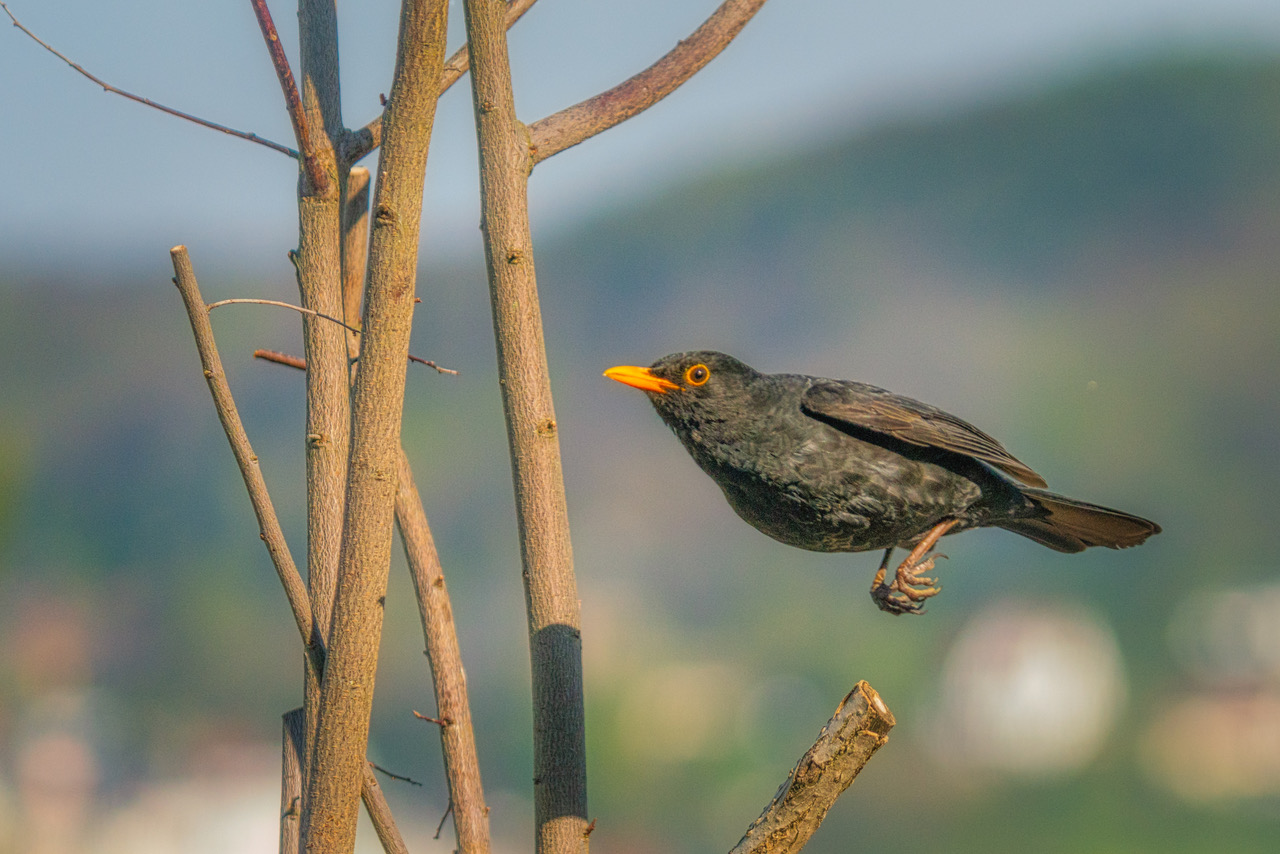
<point x="842" y="466"/>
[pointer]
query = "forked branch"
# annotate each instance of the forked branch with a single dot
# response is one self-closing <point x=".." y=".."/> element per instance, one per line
<point x="302" y="130"/>
<point x="360" y="142"/>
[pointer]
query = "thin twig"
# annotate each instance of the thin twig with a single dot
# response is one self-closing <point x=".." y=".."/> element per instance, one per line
<point x="584" y="120"/>
<point x="115" y="90"/>
<point x="256" y="301"/>
<point x="438" y="721"/>
<point x="281" y="359"/>
<point x="440" y="826"/>
<point x="316" y="173"/>
<point x="859" y="727"/>
<point x="431" y="364"/>
<point x="301" y="364"/>
<point x="403" y="779"/>
<point x="360" y="142"/>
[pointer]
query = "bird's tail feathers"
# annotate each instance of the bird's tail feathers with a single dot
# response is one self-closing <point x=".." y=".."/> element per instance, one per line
<point x="1068" y="525"/>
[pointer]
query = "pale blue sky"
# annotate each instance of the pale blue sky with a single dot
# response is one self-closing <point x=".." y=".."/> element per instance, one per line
<point x="91" y="175"/>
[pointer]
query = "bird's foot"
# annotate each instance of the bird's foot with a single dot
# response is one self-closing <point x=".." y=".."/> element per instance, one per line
<point x="910" y="586"/>
<point x="909" y="589"/>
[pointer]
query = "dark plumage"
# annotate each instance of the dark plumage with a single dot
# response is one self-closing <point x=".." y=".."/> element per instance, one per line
<point x="835" y="466"/>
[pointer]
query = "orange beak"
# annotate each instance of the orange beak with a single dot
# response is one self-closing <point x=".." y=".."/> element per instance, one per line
<point x="641" y="378"/>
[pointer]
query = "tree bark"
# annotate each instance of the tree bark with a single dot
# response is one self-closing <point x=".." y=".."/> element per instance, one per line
<point x="551" y="595"/>
<point x="346" y="691"/>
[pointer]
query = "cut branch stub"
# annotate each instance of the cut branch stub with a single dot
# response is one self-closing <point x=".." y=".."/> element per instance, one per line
<point x="859" y="727"/>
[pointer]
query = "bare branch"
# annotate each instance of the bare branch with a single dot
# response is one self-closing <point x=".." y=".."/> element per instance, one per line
<point x="551" y="592"/>
<point x="315" y="171"/>
<point x="281" y="359"/>
<point x="268" y="523"/>
<point x="301" y="364"/>
<point x="431" y="364"/>
<point x="582" y="121"/>
<point x="377" y="399"/>
<point x="291" y="781"/>
<point x="256" y="301"/>
<point x="107" y="87"/>
<point x="394" y="776"/>
<point x="360" y="142"/>
<point x="859" y="727"/>
<point x="457" y="737"/>
<point x="375" y="804"/>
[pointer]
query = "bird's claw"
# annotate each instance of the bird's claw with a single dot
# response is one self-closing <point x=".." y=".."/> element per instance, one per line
<point x="910" y="587"/>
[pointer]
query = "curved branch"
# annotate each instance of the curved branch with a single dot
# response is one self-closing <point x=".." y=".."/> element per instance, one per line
<point x="107" y="87"/>
<point x="360" y="143"/>
<point x="584" y="120"/>
<point x="859" y="727"/>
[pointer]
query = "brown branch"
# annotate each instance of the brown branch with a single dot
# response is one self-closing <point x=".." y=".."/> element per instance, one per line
<point x="551" y="593"/>
<point x="268" y="522"/>
<point x="115" y="90"/>
<point x="394" y="776"/>
<point x="859" y="727"/>
<point x="584" y="120"/>
<point x="375" y="804"/>
<point x="377" y="399"/>
<point x="281" y="359"/>
<point x="259" y="497"/>
<point x="315" y="171"/>
<point x="279" y="304"/>
<point x="431" y="364"/>
<point x="437" y="721"/>
<point x="443" y="819"/>
<point x="291" y="781"/>
<point x="360" y="142"/>
<point x="457" y="737"/>
<point x="301" y="364"/>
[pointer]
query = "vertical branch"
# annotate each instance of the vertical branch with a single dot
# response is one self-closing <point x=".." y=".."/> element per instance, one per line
<point x="291" y="781"/>
<point x="555" y="641"/>
<point x="346" y="692"/>
<point x="317" y="117"/>
<point x="457" y="737"/>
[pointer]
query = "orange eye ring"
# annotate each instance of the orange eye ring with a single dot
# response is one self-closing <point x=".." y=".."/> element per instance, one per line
<point x="697" y="375"/>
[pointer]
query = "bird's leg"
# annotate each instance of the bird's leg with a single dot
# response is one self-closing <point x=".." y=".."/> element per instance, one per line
<point x="910" y="586"/>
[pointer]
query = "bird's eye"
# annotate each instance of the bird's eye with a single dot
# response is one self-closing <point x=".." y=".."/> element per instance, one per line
<point x="697" y="375"/>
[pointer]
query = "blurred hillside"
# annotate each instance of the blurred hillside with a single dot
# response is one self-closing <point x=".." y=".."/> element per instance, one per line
<point x="1088" y="273"/>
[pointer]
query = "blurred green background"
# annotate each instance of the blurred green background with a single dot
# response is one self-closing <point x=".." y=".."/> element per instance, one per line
<point x="1086" y="269"/>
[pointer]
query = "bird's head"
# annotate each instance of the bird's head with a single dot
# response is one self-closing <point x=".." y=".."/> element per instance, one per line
<point x="692" y="387"/>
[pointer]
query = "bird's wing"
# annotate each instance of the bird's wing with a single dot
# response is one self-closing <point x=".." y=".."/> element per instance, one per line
<point x="858" y="406"/>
